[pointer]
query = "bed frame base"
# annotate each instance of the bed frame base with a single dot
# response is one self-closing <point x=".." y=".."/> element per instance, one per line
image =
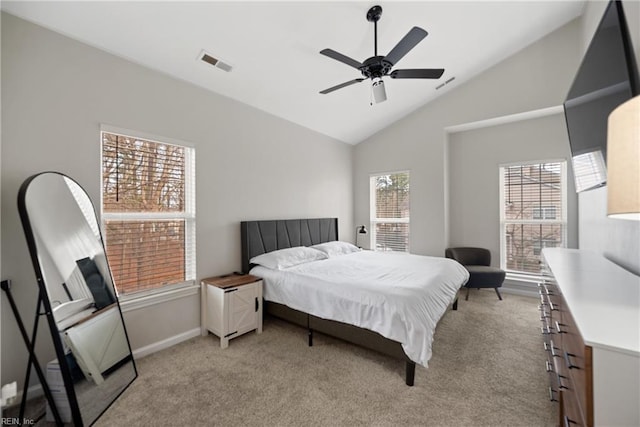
<point x="349" y="333"/>
<point x="410" y="368"/>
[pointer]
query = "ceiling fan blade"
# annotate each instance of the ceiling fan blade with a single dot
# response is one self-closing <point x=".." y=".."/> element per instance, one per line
<point x="420" y="73"/>
<point x="408" y="42"/>
<point x="340" y="86"/>
<point x="340" y="57"/>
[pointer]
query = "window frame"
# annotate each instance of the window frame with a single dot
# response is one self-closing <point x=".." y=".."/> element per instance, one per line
<point x="188" y="215"/>
<point x="562" y="220"/>
<point x="373" y="220"/>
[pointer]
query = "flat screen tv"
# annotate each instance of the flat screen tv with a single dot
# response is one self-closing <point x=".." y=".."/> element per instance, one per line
<point x="607" y="77"/>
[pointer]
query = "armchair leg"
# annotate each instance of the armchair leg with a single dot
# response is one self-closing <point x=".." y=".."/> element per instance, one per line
<point x="498" y="293"/>
<point x="466" y="298"/>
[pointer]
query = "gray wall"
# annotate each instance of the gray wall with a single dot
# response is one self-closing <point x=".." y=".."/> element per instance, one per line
<point x="616" y="239"/>
<point x="537" y="77"/>
<point x="474" y="159"/>
<point x="57" y="92"/>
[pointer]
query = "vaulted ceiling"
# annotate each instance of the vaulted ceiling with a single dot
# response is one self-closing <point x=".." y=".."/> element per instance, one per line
<point x="273" y="48"/>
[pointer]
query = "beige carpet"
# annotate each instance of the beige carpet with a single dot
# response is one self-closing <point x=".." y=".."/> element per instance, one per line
<point x="487" y="370"/>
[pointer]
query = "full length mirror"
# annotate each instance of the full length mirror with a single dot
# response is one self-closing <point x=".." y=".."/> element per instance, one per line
<point x="93" y="352"/>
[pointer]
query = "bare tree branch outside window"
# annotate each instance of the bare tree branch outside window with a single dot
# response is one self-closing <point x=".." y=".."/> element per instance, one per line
<point x="144" y="193"/>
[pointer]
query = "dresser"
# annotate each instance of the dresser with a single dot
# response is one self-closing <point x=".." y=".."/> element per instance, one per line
<point x="590" y="314"/>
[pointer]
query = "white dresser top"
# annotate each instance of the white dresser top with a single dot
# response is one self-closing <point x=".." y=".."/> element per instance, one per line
<point x="604" y="298"/>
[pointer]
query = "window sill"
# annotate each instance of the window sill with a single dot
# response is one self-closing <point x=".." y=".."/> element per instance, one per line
<point x="135" y="302"/>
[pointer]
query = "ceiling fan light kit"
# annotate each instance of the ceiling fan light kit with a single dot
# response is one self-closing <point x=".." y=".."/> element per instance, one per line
<point x="377" y="67"/>
<point x="379" y="94"/>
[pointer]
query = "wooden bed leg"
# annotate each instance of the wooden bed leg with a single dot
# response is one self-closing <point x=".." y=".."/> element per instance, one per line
<point x="410" y="373"/>
<point x="310" y="337"/>
<point x="455" y="304"/>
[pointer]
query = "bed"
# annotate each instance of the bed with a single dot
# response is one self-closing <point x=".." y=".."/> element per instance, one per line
<point x="347" y="296"/>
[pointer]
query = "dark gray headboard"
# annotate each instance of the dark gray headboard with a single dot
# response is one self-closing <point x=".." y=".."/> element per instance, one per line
<point x="259" y="237"/>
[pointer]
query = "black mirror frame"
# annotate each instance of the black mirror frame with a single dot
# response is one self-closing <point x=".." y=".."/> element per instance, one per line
<point x="43" y="295"/>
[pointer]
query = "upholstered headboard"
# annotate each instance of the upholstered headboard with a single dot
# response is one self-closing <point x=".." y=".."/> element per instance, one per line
<point x="259" y="237"/>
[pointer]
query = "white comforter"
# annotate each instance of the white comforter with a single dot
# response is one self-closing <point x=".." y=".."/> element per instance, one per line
<point x="398" y="295"/>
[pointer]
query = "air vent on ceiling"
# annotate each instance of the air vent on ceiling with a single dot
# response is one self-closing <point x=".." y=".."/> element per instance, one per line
<point x="440" y="86"/>
<point x="216" y="62"/>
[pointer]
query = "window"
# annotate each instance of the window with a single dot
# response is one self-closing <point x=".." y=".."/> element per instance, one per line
<point x="544" y="212"/>
<point x="533" y="213"/>
<point x="390" y="212"/>
<point x="538" y="245"/>
<point x="589" y="170"/>
<point x="148" y="212"/>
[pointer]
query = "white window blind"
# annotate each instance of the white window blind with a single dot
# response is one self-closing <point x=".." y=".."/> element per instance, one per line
<point x="390" y="211"/>
<point x="589" y="170"/>
<point x="148" y="212"/>
<point x="533" y="213"/>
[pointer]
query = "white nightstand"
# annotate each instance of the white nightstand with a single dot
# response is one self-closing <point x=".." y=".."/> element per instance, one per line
<point x="231" y="306"/>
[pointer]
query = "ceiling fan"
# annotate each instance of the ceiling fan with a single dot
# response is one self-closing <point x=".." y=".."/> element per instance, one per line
<point x="377" y="67"/>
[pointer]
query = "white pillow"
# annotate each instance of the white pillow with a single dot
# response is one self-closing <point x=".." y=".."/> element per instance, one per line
<point x="336" y="248"/>
<point x="288" y="257"/>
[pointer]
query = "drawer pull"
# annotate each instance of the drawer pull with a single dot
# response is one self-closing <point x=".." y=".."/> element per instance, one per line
<point x="553" y="307"/>
<point x="546" y="330"/>
<point x="560" y="331"/>
<point x="551" y="348"/>
<point x="568" y="360"/>
<point x="560" y="385"/>
<point x="548" y="366"/>
<point x="568" y="421"/>
<point x="543" y="288"/>
<point x="543" y="313"/>
<point x="551" y="396"/>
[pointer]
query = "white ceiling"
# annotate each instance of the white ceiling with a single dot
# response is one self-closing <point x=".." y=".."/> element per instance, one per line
<point x="274" y="48"/>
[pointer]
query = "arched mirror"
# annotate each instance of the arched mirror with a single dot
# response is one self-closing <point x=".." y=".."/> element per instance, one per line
<point x="87" y="328"/>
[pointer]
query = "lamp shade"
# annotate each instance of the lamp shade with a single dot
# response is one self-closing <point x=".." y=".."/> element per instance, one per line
<point x="623" y="161"/>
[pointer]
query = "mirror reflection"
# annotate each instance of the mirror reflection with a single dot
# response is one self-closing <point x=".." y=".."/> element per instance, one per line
<point x="92" y="340"/>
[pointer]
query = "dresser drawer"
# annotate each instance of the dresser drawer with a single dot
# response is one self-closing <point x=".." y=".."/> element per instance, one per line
<point x="576" y="364"/>
<point x="570" y="413"/>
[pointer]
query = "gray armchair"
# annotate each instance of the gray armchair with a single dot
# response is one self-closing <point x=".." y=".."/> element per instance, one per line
<point x="478" y="262"/>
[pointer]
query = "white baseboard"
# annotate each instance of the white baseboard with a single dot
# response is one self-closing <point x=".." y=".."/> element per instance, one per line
<point x="32" y="392"/>
<point x="166" y="343"/>
<point x="36" y="390"/>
